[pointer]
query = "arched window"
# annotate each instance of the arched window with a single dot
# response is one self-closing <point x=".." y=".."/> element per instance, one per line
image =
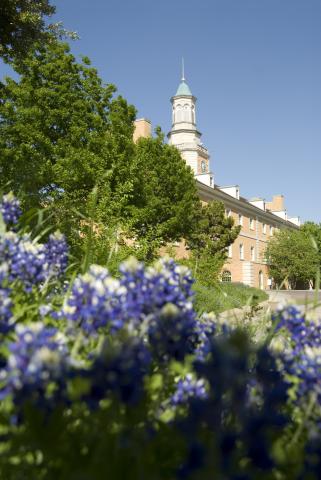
<point x="261" y="280"/>
<point x="226" y="276"/>
<point x="187" y="113"/>
<point x="179" y="113"/>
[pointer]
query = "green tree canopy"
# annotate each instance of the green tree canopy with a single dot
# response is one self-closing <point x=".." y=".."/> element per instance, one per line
<point x="212" y="234"/>
<point x="291" y="256"/>
<point x="165" y="200"/>
<point x="314" y="231"/>
<point x="62" y="133"/>
<point x="22" y="22"/>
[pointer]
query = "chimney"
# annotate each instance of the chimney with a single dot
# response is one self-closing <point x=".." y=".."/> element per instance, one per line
<point x="143" y="128"/>
<point x="277" y="204"/>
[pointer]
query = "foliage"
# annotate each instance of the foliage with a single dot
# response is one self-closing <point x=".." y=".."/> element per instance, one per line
<point x="119" y="378"/>
<point x="212" y="234"/>
<point x="292" y="257"/>
<point x="314" y="231"/>
<point x="225" y="296"/>
<point x="22" y="23"/>
<point x="66" y="143"/>
<point x="61" y="134"/>
<point x="165" y="196"/>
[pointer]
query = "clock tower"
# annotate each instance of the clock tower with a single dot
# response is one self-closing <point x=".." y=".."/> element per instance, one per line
<point x="185" y="136"/>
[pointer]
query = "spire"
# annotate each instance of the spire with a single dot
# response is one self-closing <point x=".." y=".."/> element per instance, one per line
<point x="183" y="70"/>
<point x="183" y="88"/>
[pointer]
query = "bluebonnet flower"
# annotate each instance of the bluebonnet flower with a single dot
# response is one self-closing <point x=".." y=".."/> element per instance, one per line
<point x="10" y="208"/>
<point x="5" y="310"/>
<point x="237" y="428"/>
<point x="26" y="259"/>
<point x="205" y="328"/>
<point x="171" y="333"/>
<point x="150" y="288"/>
<point x="96" y="300"/>
<point x="5" y="301"/>
<point x="56" y="250"/>
<point x="302" y="353"/>
<point x="187" y="389"/>
<point x="118" y="370"/>
<point x="134" y="302"/>
<point x="38" y="361"/>
<point x="32" y="263"/>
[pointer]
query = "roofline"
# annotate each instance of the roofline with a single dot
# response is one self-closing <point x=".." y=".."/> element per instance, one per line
<point x="241" y="203"/>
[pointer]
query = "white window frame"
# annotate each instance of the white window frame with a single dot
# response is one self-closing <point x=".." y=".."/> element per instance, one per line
<point x="241" y="250"/>
<point x="253" y="253"/>
<point x="230" y="251"/>
<point x="264" y="228"/>
<point x="252" y="223"/>
<point x="241" y="219"/>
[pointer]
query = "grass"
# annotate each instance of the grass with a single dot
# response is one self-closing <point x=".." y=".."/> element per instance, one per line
<point x="226" y="296"/>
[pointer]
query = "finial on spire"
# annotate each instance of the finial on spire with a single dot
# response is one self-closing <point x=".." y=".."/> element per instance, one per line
<point x="183" y="70"/>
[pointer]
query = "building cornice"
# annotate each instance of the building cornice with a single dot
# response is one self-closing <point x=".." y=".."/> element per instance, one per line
<point x="241" y="205"/>
<point x="183" y="96"/>
<point x="184" y="130"/>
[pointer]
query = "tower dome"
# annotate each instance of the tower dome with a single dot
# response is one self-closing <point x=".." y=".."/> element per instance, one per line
<point x="183" y="89"/>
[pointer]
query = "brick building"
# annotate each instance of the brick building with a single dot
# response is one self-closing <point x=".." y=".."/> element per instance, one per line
<point x="258" y="219"/>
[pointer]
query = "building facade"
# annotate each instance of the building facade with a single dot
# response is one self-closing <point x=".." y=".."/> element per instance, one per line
<point x="259" y="220"/>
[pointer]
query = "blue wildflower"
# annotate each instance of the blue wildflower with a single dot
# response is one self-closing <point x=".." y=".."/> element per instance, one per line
<point x="134" y="302"/>
<point x="302" y="356"/>
<point x="205" y="328"/>
<point x="10" y="208"/>
<point x="36" y="367"/>
<point x="96" y="300"/>
<point x="171" y="333"/>
<point x="56" y="250"/>
<point x="187" y="389"/>
<point x="118" y="370"/>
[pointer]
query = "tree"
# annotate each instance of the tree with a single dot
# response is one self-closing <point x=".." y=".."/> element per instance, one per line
<point x="212" y="234"/>
<point x="313" y="230"/>
<point x="292" y="257"/>
<point x="165" y="200"/>
<point x="22" y="22"/>
<point x="64" y="136"/>
<point x="62" y="133"/>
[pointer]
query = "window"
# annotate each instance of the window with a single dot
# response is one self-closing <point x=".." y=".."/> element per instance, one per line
<point x="271" y="230"/>
<point x="264" y="228"/>
<point x="252" y="223"/>
<point x="228" y="212"/>
<point x="253" y="254"/>
<point x="230" y="251"/>
<point x="226" y="276"/>
<point x="240" y="219"/>
<point x="241" y="247"/>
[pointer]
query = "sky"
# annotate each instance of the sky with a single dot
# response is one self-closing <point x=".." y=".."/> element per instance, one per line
<point x="254" y="66"/>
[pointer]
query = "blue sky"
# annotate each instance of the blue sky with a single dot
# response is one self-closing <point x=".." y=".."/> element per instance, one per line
<point x="254" y="65"/>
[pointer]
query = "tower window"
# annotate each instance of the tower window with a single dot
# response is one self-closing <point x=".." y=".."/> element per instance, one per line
<point x="193" y="114"/>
